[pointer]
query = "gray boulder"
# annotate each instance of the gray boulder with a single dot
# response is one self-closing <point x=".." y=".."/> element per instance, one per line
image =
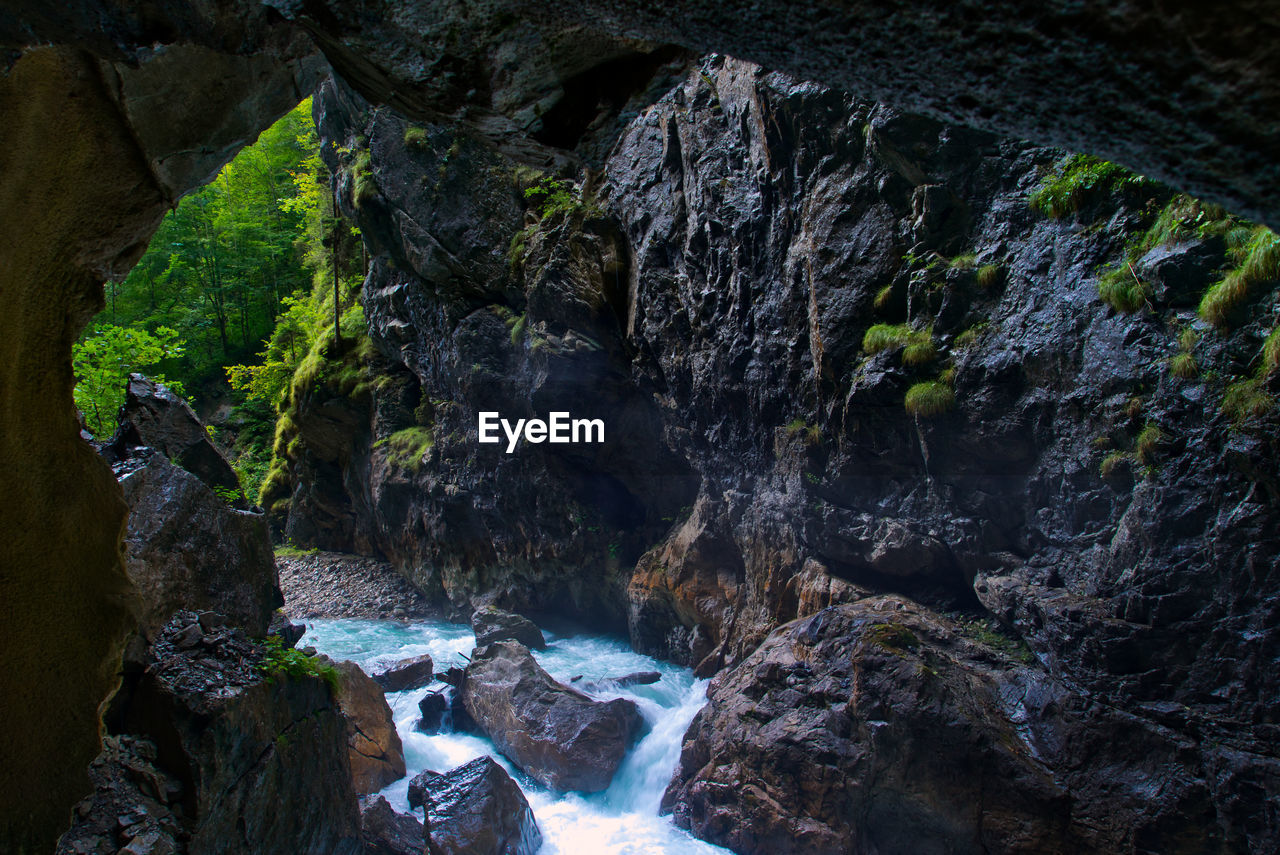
<point x="493" y="624"/>
<point x="385" y="832"/>
<point x="557" y="735"/>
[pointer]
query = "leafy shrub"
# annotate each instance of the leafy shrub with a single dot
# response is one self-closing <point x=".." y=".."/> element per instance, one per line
<point x="280" y="660"/>
<point x="930" y="398"/>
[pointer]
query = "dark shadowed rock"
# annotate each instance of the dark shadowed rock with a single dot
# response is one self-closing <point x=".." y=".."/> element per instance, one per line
<point x="412" y="673"/>
<point x="290" y="633"/>
<point x="433" y="708"/>
<point x="493" y="624"/>
<point x="377" y="756"/>
<point x="882" y="727"/>
<point x="187" y="548"/>
<point x="385" y="832"/>
<point x="476" y="809"/>
<point x="153" y="417"/>
<point x="557" y="735"/>
<point x="132" y="798"/>
<point x="248" y="759"/>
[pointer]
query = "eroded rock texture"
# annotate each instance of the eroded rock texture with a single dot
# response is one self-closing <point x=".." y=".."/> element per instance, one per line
<point x="717" y="283"/>
<point x="375" y="752"/>
<point x="246" y="758"/>
<point x="112" y="111"/>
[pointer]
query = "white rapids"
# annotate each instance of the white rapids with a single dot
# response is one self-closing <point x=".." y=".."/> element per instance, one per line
<point x="624" y="819"/>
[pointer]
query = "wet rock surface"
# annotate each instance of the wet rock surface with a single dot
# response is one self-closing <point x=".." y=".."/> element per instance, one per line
<point x="385" y="832"/>
<point x="191" y="541"/>
<point x="880" y="726"/>
<point x="557" y="735"/>
<point x="476" y="809"/>
<point x="258" y="755"/>
<point x="339" y="585"/>
<point x="764" y="227"/>
<point x="491" y="624"/>
<point x="376" y="754"/>
<point x="412" y="673"/>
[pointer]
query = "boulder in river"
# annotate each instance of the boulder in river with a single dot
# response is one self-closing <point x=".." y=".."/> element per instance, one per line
<point x="407" y="674"/>
<point x="433" y="707"/>
<point x="556" y="734"/>
<point x="476" y="809"/>
<point x="377" y="756"/>
<point x="385" y="832"/>
<point x="492" y="624"/>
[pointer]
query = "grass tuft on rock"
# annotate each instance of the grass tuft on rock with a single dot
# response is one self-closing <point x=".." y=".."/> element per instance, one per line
<point x="1247" y="399"/>
<point x="1184" y="366"/>
<point x="929" y="399"/>
<point x="1122" y="289"/>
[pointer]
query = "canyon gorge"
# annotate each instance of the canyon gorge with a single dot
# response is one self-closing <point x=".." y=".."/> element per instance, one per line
<point x="926" y="441"/>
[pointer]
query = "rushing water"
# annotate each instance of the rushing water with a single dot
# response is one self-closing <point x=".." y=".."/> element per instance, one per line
<point x="624" y="819"/>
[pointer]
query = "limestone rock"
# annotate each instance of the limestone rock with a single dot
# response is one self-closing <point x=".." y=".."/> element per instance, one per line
<point x="880" y="726"/>
<point x="493" y="624"/>
<point x="557" y="735"/>
<point x="476" y="809"/>
<point x="153" y="417"/>
<point x="433" y="708"/>
<point x="376" y="754"/>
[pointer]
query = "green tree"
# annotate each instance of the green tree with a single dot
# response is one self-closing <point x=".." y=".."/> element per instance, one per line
<point x="104" y="361"/>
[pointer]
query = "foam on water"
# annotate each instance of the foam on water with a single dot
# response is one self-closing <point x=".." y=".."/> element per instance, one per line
<point x="624" y="819"/>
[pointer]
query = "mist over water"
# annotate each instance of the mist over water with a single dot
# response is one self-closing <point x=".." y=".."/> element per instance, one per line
<point x="624" y="819"/>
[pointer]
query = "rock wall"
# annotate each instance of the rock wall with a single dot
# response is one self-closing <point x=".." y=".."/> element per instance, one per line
<point x="113" y="111"/>
<point x="712" y="293"/>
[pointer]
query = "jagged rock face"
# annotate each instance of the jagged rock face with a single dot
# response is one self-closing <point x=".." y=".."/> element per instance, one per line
<point x="557" y="735"/>
<point x="375" y="751"/>
<point x="191" y="542"/>
<point x="92" y="154"/>
<point x="550" y="527"/>
<point x="490" y="625"/>
<point x="880" y="727"/>
<point x="386" y="832"/>
<point x="187" y="547"/>
<point x="259" y="759"/>
<point x="132" y="105"/>
<point x="412" y="673"/>
<point x="767" y="226"/>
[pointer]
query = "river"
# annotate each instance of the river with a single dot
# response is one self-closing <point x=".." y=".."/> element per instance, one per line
<point x="624" y="819"/>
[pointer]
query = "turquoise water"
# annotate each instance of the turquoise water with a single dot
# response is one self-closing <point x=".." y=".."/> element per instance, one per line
<point x="624" y="819"/>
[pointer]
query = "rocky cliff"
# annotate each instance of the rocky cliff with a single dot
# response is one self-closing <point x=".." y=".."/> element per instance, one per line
<point x="114" y="110"/>
<point x="840" y="354"/>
